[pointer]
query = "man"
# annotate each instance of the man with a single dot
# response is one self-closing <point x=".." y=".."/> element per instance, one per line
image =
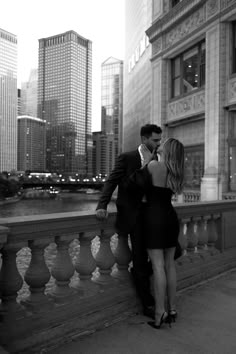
<point x="129" y="210"/>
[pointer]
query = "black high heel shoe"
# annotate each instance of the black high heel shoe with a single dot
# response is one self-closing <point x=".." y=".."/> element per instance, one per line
<point x="164" y="319"/>
<point x="172" y="314"/>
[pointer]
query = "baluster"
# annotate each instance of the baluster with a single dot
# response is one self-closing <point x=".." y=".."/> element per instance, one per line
<point x="203" y="237"/>
<point x="212" y="234"/>
<point x="105" y="259"/>
<point x="122" y="257"/>
<point x="37" y="276"/>
<point x="10" y="281"/>
<point x="183" y="241"/>
<point x="63" y="269"/>
<point x="192" y="240"/>
<point x="85" y="265"/>
<point x="197" y="222"/>
<point x="3" y="235"/>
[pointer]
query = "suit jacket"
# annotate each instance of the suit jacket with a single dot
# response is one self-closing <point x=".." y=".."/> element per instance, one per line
<point x="127" y="202"/>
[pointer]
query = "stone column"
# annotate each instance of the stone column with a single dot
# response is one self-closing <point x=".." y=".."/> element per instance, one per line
<point x="211" y="186"/>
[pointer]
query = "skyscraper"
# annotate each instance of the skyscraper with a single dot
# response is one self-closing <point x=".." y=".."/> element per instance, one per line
<point x="112" y="99"/>
<point x="31" y="144"/>
<point x="29" y="95"/>
<point x="8" y="101"/>
<point x="103" y="153"/>
<point x="64" y="101"/>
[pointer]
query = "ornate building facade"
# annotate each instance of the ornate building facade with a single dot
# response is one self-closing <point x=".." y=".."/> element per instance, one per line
<point x="194" y="87"/>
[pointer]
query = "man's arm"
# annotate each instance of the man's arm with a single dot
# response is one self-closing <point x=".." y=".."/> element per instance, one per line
<point x="110" y="185"/>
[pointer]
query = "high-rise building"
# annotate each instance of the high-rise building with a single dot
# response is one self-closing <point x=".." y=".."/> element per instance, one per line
<point x="103" y="153"/>
<point x="137" y="71"/>
<point x="8" y="101"/>
<point x="18" y="102"/>
<point x="64" y="101"/>
<point x="31" y="144"/>
<point x="29" y="95"/>
<point x="112" y="99"/>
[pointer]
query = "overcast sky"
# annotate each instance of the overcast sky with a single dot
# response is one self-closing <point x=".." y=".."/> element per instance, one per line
<point x="101" y="21"/>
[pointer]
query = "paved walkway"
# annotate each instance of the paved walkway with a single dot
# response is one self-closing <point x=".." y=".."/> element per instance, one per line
<point x="206" y="325"/>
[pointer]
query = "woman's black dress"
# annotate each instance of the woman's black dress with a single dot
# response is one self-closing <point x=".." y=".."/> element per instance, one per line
<point x="160" y="219"/>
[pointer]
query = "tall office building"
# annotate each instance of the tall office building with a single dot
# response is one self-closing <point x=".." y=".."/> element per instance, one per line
<point x="8" y="101"/>
<point x="19" y="102"/>
<point x="103" y="153"/>
<point x="137" y="71"/>
<point x="112" y="100"/>
<point x="64" y="101"/>
<point x="29" y="95"/>
<point x="31" y="144"/>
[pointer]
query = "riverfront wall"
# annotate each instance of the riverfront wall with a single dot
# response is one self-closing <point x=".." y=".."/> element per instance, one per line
<point x="74" y="295"/>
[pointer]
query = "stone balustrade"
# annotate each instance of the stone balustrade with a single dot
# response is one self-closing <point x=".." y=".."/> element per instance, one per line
<point x="80" y="292"/>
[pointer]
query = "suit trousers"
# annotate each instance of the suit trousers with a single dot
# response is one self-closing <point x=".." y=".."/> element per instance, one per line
<point x="142" y="268"/>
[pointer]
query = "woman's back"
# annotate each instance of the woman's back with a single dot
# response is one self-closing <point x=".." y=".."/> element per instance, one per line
<point x="158" y="171"/>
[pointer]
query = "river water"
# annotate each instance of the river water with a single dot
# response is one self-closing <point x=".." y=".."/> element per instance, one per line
<point x="64" y="202"/>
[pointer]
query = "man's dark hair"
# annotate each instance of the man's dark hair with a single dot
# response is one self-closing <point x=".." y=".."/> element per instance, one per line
<point x="148" y="129"/>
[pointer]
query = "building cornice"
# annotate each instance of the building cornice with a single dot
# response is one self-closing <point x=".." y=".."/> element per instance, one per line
<point x="176" y="15"/>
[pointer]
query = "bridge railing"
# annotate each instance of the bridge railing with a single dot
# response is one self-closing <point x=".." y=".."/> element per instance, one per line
<point x="67" y="274"/>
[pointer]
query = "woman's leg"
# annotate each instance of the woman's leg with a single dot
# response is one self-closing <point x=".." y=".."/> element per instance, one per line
<point x="157" y="258"/>
<point x="170" y="276"/>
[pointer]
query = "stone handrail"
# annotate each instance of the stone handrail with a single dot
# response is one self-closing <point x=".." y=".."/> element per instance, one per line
<point x="88" y="279"/>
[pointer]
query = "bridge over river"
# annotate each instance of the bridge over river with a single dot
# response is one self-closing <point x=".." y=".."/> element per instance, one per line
<point x="72" y="186"/>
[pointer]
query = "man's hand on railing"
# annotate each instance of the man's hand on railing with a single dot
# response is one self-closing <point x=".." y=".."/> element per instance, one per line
<point x="101" y="214"/>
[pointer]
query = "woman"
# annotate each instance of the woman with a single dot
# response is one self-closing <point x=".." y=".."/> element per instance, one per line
<point x="160" y="180"/>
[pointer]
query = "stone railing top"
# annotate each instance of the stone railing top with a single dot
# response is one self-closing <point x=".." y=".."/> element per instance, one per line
<point x="22" y="229"/>
<point x="3" y="234"/>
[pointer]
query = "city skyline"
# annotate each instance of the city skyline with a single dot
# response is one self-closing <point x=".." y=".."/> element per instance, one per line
<point x="106" y="32"/>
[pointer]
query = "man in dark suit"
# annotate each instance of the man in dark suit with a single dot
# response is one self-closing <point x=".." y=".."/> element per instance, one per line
<point x="129" y="209"/>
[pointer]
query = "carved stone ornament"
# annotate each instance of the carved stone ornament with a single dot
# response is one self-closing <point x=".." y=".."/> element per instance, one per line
<point x="226" y="3"/>
<point x="187" y="106"/>
<point x="232" y="90"/>
<point x="212" y="7"/>
<point x="189" y="25"/>
<point x="157" y="46"/>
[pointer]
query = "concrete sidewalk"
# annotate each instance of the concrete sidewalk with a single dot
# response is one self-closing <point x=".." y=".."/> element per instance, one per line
<point x="206" y="325"/>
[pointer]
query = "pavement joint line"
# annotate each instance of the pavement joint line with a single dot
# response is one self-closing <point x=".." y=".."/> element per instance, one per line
<point x="203" y="282"/>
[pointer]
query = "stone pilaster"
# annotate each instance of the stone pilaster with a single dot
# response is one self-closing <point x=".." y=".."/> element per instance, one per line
<point x="159" y="91"/>
<point x="211" y="186"/>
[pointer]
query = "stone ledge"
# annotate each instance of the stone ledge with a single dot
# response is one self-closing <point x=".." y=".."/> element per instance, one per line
<point x="81" y="317"/>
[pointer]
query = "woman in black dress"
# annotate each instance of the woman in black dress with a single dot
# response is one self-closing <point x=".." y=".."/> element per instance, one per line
<point x="162" y="225"/>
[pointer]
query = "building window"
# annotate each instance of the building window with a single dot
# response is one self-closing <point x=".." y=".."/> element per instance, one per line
<point x="194" y="166"/>
<point x="234" y="48"/>
<point x="175" y="2"/>
<point x="188" y="70"/>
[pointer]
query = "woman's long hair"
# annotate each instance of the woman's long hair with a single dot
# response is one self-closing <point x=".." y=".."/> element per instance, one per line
<point x="173" y="155"/>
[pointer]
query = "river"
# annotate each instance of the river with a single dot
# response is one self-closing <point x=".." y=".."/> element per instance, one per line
<point x="64" y="202"/>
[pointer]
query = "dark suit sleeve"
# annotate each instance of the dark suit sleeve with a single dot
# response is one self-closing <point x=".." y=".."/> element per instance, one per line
<point x="139" y="182"/>
<point x="116" y="176"/>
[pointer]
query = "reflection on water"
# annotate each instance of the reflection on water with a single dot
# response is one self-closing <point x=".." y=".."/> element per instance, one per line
<point x="63" y="203"/>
